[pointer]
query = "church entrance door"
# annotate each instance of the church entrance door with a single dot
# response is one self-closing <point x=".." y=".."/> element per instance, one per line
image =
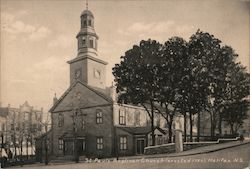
<point x="68" y="147"/>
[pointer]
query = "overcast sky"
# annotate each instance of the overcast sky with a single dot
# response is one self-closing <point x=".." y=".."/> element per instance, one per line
<point x="38" y="37"/>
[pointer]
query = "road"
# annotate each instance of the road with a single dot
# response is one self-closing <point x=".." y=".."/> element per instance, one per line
<point x="231" y="158"/>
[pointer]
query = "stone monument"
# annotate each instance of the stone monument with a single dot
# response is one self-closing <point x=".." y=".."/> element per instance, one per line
<point x="178" y="135"/>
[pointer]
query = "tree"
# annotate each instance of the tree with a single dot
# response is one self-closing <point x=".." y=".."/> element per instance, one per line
<point x="172" y="69"/>
<point x="237" y="89"/>
<point x="136" y="77"/>
<point x="203" y="49"/>
<point x="235" y="113"/>
<point x="214" y="72"/>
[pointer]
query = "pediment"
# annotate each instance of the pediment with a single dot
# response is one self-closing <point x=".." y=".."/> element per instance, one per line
<point x="80" y="95"/>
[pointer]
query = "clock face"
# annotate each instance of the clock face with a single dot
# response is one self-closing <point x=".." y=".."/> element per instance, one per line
<point x="97" y="74"/>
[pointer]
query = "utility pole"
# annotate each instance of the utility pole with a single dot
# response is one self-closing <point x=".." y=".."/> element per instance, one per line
<point x="74" y="116"/>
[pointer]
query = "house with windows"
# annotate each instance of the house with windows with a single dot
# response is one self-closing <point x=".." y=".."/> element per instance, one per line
<point x="86" y="119"/>
<point x="20" y="126"/>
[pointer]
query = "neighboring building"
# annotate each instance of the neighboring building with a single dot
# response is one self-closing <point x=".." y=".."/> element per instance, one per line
<point x="86" y="119"/>
<point x="21" y="124"/>
<point x="245" y="129"/>
<point x="3" y="122"/>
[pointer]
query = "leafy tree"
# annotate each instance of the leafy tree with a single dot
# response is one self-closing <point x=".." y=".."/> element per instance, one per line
<point x="203" y="50"/>
<point x="235" y="113"/>
<point x="136" y="77"/>
<point x="171" y="70"/>
<point x="214" y="71"/>
<point x="237" y="89"/>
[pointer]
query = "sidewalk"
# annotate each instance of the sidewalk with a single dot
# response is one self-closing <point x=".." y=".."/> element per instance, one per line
<point x="199" y="150"/>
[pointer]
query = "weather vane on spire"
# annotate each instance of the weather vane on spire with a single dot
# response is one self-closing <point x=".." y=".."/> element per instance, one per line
<point x="87" y="4"/>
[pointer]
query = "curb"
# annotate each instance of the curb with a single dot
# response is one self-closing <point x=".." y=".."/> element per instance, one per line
<point x="182" y="155"/>
<point x="209" y="151"/>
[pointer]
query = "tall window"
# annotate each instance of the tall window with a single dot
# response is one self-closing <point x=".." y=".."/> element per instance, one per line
<point x="91" y="43"/>
<point x="60" y="120"/>
<point x="3" y="127"/>
<point x="137" y="118"/>
<point x="60" y="144"/>
<point x="123" y="143"/>
<point x="122" y="116"/>
<point x="90" y="23"/>
<point x="98" y="116"/>
<point x="99" y="143"/>
<point x="83" y="124"/>
<point x="26" y="116"/>
<point x="84" y="23"/>
<point x="12" y="126"/>
<point x="83" y="41"/>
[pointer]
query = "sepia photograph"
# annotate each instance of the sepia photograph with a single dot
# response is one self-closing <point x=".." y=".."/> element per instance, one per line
<point x="125" y="84"/>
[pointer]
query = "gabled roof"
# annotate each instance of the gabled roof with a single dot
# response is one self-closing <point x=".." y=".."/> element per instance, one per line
<point x="101" y="94"/>
<point x="139" y="130"/>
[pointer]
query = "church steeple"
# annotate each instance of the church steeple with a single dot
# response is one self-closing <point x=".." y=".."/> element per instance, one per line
<point x="87" y="37"/>
<point x="87" y="67"/>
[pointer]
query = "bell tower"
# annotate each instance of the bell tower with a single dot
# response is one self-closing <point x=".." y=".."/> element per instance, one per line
<point x="87" y="67"/>
<point x="87" y="38"/>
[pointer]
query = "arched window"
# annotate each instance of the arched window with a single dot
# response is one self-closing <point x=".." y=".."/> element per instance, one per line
<point x="83" y="124"/>
<point x="60" y="120"/>
<point x="83" y="41"/>
<point x="99" y="116"/>
<point x="90" y="23"/>
<point x="84" y="23"/>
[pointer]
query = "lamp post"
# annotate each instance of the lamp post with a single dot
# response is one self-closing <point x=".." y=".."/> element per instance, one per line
<point x="46" y="145"/>
<point x="75" y="114"/>
<point x="46" y="161"/>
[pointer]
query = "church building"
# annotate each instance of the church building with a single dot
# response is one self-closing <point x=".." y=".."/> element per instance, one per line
<point x="86" y="119"/>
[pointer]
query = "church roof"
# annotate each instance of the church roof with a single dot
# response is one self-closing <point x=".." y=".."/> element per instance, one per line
<point x="105" y="96"/>
<point x="87" y="12"/>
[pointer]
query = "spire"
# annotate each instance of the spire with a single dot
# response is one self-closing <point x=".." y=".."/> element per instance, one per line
<point x="87" y="4"/>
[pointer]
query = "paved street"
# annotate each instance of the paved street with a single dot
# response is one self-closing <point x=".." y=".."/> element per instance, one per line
<point x="231" y="158"/>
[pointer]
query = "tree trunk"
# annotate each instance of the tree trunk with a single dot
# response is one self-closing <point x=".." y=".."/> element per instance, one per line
<point x="152" y="124"/>
<point x="170" y="133"/>
<point x="21" y="153"/>
<point x="231" y="129"/>
<point x="27" y="148"/>
<point x="191" y="127"/>
<point x="198" y="127"/>
<point x="185" y="127"/>
<point x="211" y="128"/>
<point x="220" y="124"/>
